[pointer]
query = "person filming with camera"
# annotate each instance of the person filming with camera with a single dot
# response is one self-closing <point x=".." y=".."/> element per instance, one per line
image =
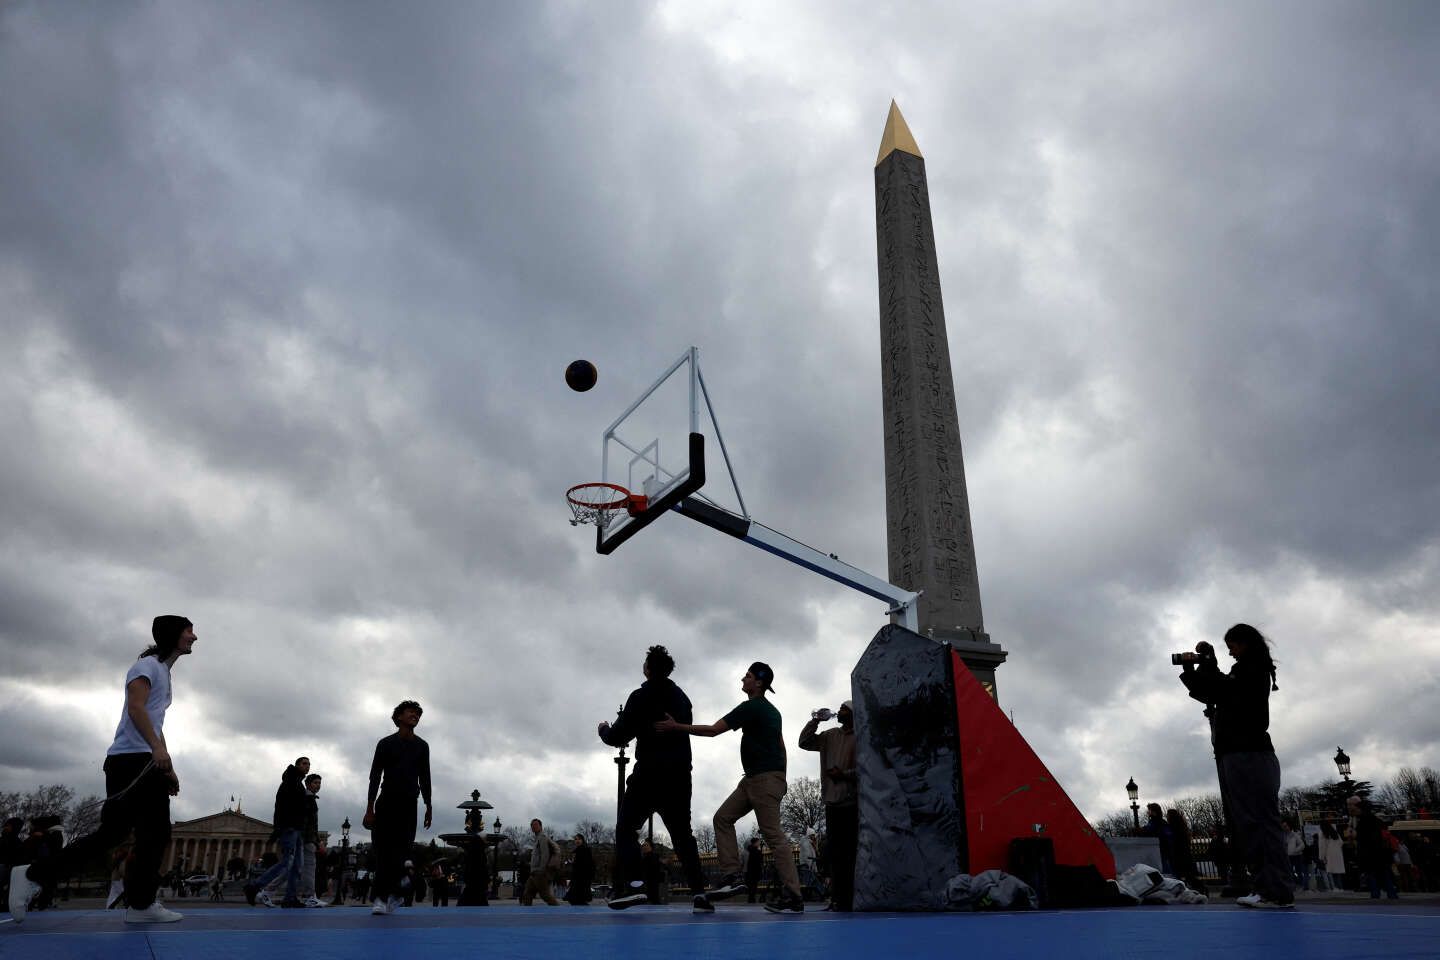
<point x="1239" y="708"/>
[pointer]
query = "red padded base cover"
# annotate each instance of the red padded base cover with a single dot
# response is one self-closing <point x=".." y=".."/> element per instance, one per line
<point x="1007" y="789"/>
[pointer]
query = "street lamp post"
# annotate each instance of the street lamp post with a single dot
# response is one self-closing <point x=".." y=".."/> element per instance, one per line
<point x="1342" y="764"/>
<point x="496" y="838"/>
<point x="339" y="898"/>
<point x="621" y="761"/>
<point x="1134" y="793"/>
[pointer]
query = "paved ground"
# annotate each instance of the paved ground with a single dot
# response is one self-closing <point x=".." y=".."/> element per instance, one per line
<point x="1316" y="930"/>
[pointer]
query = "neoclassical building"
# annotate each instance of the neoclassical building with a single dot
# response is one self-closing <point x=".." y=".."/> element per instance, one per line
<point x="208" y="843"/>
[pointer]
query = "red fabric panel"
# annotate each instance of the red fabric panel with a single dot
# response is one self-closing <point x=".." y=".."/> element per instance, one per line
<point x="1008" y="790"/>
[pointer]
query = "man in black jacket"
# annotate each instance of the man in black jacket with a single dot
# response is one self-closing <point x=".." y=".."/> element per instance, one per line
<point x="289" y="829"/>
<point x="660" y="783"/>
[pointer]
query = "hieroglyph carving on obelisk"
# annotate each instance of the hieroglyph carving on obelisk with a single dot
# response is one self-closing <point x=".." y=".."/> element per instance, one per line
<point x="927" y="507"/>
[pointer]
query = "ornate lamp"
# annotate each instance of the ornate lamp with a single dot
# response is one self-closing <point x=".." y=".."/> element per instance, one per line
<point x="1134" y="794"/>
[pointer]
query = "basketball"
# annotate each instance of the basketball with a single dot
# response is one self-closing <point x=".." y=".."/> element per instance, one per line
<point x="581" y="375"/>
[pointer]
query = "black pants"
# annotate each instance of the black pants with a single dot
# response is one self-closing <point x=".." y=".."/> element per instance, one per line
<point x="1252" y="785"/>
<point x="144" y="808"/>
<point x="842" y="837"/>
<point x="667" y="794"/>
<point x="392" y="839"/>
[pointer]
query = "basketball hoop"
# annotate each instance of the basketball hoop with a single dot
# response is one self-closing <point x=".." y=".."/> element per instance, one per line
<point x="594" y="502"/>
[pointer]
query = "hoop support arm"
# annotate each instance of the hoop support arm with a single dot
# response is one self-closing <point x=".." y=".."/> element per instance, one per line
<point x="902" y="602"/>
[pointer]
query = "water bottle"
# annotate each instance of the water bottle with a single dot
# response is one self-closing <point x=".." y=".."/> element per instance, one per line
<point x="824" y="713"/>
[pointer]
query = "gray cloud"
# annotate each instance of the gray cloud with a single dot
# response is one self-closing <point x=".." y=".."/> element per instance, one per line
<point x="287" y="294"/>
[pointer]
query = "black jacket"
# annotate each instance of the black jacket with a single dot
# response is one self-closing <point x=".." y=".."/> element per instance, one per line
<point x="290" y="801"/>
<point x="655" y="753"/>
<point x="1242" y="703"/>
<point x="312" y="817"/>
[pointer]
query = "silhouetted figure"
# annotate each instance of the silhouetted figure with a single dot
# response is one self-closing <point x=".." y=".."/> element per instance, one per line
<point x="1250" y="770"/>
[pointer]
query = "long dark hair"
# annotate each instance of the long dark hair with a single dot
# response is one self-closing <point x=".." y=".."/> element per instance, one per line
<point x="165" y="631"/>
<point x="1256" y="647"/>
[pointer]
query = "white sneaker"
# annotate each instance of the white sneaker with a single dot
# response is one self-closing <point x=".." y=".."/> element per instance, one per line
<point x="22" y="891"/>
<point x="263" y="899"/>
<point x="315" y="902"/>
<point x="379" y="908"/>
<point x="157" y="912"/>
<point x="393" y="904"/>
<point x="1256" y="902"/>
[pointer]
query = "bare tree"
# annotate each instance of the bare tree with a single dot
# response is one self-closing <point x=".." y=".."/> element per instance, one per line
<point x="1121" y="823"/>
<point x="1411" y="789"/>
<point x="84" y="817"/>
<point x="705" y="838"/>
<point x="46" y="800"/>
<point x="595" y="832"/>
<point x="9" y="804"/>
<point x="1205" y="814"/>
<point x="802" y="809"/>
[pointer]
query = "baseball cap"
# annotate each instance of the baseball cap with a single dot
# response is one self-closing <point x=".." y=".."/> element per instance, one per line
<point x="764" y="674"/>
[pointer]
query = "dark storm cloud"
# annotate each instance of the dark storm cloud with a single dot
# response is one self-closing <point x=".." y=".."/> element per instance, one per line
<point x="288" y="292"/>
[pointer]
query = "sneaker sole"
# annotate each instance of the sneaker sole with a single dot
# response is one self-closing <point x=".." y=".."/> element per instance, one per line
<point x="625" y="903"/>
<point x="725" y="893"/>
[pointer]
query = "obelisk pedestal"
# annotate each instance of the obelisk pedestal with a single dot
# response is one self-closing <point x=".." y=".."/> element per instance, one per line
<point x="927" y="510"/>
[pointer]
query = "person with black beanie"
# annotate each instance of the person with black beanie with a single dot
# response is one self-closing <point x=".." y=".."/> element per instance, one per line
<point x="140" y="779"/>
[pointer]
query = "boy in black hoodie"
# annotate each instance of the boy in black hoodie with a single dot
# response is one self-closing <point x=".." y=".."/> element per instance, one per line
<point x="660" y="783"/>
<point x="289" y="826"/>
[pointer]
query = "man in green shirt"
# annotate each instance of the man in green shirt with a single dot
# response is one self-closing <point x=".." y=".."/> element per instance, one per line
<point x="762" y="755"/>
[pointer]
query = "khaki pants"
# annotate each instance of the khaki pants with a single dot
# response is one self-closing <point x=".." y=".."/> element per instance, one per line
<point x="761" y="793"/>
<point x="538" y="885"/>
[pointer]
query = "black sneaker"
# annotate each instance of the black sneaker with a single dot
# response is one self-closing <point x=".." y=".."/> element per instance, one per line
<point x="634" y="898"/>
<point x="786" y="904"/>
<point x="703" y="904"/>
<point x="732" y="885"/>
<point x="250" y="891"/>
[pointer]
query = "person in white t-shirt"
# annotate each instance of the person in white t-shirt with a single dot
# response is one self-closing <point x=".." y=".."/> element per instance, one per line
<point x="139" y="782"/>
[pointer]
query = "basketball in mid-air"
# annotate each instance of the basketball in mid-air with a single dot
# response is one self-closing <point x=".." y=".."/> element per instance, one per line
<point x="581" y="375"/>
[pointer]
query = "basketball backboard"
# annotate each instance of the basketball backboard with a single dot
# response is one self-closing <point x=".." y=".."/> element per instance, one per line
<point x="656" y="448"/>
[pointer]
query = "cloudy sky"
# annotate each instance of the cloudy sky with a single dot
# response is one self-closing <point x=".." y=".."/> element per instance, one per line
<point x="287" y="291"/>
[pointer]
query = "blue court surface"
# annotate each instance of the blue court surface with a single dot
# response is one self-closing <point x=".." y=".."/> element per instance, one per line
<point x="1312" y="932"/>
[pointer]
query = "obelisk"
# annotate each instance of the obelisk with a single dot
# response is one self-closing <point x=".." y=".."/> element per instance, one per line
<point x="927" y="509"/>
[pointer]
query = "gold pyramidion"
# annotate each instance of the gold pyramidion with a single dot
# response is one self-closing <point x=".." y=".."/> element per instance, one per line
<point x="897" y="136"/>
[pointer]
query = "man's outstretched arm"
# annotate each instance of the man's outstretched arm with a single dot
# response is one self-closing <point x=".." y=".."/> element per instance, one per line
<point x="668" y="725"/>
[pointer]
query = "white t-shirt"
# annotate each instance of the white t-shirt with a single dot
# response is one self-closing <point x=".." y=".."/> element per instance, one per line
<point x="127" y="738"/>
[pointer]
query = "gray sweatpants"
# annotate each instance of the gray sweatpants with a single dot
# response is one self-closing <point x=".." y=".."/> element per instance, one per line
<point x="1252" y="784"/>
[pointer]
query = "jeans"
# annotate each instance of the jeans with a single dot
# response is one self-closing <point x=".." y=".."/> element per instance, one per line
<point x="1380" y="875"/>
<point x="288" y="866"/>
<point x="307" y="869"/>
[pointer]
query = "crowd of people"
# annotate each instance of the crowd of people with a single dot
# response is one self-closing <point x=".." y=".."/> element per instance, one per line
<point x="657" y="717"/>
<point x="140" y="779"/>
<point x="1356" y="852"/>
